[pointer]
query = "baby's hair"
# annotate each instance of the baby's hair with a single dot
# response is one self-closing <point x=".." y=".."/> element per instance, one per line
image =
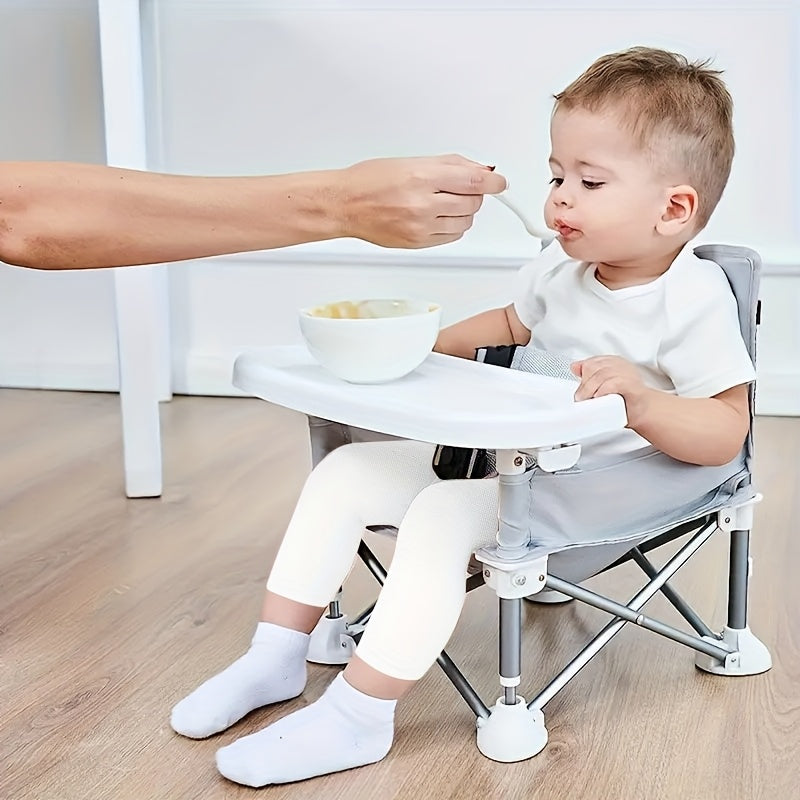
<point x="679" y="111"/>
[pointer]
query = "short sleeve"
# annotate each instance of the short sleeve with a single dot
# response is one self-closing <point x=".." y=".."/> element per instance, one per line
<point x="704" y="353"/>
<point x="528" y="301"/>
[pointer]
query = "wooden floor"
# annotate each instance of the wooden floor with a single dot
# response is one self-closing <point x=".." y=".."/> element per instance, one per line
<point x="112" y="609"/>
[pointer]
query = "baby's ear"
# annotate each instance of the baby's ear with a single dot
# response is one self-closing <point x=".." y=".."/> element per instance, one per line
<point x="680" y="210"/>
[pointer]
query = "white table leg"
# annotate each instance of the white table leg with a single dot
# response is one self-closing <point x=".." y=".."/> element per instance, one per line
<point x="138" y="327"/>
<point x="141" y="293"/>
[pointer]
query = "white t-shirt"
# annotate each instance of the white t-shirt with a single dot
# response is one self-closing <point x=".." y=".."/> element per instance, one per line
<point x="681" y="329"/>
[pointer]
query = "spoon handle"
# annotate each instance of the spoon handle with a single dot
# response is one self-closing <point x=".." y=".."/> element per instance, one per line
<point x="531" y="227"/>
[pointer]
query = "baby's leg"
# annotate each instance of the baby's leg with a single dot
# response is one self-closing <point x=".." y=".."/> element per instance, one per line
<point x="420" y="603"/>
<point x="354" y="486"/>
<point x="352" y="724"/>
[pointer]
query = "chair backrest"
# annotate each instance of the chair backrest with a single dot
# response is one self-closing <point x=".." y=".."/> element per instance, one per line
<point x="742" y="267"/>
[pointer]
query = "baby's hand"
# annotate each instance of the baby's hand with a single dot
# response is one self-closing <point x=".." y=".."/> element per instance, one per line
<point x="601" y="375"/>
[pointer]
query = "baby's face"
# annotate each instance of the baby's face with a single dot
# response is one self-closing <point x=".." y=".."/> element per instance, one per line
<point x="605" y="196"/>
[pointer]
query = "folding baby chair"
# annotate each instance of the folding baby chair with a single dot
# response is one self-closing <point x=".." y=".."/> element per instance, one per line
<point x="515" y="568"/>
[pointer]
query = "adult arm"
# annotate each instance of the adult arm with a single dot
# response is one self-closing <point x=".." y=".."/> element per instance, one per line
<point x="57" y="215"/>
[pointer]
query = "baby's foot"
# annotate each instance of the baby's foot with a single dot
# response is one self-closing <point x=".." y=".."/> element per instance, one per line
<point x="343" y="729"/>
<point x="273" y="669"/>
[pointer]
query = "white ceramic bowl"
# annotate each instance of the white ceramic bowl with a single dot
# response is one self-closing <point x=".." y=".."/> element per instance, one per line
<point x="371" y="341"/>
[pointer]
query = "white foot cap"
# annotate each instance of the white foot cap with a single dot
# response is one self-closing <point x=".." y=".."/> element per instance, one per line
<point x="512" y="733"/>
<point x="330" y="643"/>
<point x="750" y="656"/>
<point x="549" y="597"/>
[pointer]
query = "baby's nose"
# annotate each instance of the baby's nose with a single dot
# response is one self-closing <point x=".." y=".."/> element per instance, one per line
<point x="562" y="197"/>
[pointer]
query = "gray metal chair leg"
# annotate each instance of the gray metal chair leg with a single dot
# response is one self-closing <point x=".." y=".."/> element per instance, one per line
<point x="750" y="656"/>
<point x="331" y="641"/>
<point x="325" y="437"/>
<point x="510" y="616"/>
<point x="738" y="579"/>
<point x="512" y="732"/>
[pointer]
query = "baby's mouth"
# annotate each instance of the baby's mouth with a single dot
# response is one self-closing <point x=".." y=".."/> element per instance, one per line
<point x="565" y="231"/>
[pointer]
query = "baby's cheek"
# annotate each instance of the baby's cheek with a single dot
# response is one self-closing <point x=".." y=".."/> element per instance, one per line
<point x="615" y="225"/>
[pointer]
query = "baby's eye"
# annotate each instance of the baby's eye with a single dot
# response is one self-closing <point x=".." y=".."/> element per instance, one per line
<point x="556" y="181"/>
<point x="592" y="184"/>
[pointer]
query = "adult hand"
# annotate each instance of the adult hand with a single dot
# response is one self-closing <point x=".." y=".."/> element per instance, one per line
<point x="602" y="375"/>
<point x="414" y="202"/>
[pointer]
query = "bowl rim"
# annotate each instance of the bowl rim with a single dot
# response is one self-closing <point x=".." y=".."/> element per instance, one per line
<point x="432" y="309"/>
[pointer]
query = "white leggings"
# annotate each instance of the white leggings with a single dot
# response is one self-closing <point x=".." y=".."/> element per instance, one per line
<point x="441" y="523"/>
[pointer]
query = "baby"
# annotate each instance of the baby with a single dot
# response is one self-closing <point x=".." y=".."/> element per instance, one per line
<point x="642" y="145"/>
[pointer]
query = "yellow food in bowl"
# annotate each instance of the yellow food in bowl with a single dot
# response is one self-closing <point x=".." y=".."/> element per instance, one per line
<point x="369" y="309"/>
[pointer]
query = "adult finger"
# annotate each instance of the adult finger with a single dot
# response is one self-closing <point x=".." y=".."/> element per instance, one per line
<point x="460" y="161"/>
<point x="436" y="239"/>
<point x="469" y="179"/>
<point x="453" y="225"/>
<point x="456" y="205"/>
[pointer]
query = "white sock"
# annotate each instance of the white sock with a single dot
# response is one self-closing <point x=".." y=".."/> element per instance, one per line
<point x="345" y="728"/>
<point x="273" y="669"/>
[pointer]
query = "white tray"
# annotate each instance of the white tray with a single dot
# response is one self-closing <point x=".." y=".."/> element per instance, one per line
<point x="446" y="400"/>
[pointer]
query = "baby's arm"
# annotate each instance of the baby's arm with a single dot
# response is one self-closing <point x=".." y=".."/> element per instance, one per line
<point x="708" y="431"/>
<point x="490" y="328"/>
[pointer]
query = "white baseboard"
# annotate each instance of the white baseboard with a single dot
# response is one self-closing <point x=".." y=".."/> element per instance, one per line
<point x="205" y="374"/>
<point x="97" y="377"/>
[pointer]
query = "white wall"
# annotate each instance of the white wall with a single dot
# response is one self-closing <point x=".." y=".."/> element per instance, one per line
<point x="254" y="86"/>
<point x="56" y="330"/>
